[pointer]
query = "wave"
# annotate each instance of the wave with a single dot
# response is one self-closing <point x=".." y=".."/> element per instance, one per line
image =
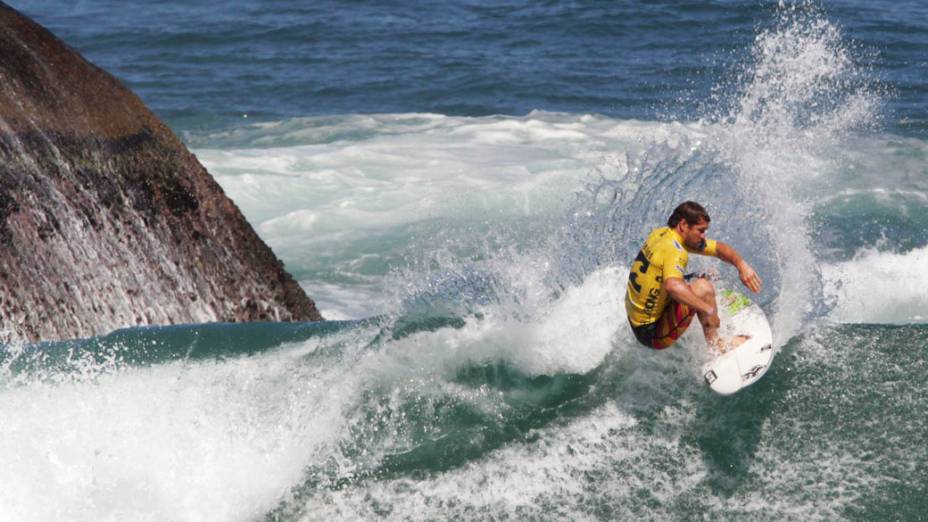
<point x="680" y="453"/>
<point x="81" y="360"/>
<point x="306" y="404"/>
<point x="879" y="287"/>
<point x="369" y="420"/>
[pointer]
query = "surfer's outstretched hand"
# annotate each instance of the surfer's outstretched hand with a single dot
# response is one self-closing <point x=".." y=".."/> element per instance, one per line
<point x="749" y="277"/>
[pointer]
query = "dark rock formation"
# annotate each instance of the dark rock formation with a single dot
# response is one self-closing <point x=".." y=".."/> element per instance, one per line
<point x="106" y="219"/>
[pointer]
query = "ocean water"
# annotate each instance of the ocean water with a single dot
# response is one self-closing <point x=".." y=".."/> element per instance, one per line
<point x="461" y="188"/>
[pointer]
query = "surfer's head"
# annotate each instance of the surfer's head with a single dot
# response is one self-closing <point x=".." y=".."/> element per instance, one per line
<point x="688" y="211"/>
<point x="691" y="221"/>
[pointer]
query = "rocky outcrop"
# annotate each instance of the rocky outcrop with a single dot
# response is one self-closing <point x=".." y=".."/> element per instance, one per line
<point x="106" y="219"/>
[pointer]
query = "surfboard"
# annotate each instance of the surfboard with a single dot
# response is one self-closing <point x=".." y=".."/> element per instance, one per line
<point x="742" y="366"/>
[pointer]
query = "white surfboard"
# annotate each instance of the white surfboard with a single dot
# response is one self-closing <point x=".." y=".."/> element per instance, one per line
<point x="746" y="364"/>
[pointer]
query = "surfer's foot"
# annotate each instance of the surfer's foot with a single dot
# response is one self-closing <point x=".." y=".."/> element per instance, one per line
<point x="724" y="345"/>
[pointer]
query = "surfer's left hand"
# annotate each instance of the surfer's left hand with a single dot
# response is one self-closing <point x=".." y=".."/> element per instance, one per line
<point x="749" y="277"/>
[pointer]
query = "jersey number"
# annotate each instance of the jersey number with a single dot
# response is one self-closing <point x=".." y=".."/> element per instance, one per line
<point x="645" y="264"/>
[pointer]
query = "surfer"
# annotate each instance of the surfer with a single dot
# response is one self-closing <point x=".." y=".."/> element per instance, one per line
<point x="661" y="300"/>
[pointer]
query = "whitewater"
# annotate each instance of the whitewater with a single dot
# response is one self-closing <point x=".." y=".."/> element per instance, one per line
<point x="476" y="363"/>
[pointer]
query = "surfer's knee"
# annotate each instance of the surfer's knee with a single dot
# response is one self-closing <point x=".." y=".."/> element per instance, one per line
<point x="703" y="288"/>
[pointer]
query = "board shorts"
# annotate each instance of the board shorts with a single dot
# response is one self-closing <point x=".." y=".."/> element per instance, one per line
<point x="668" y="328"/>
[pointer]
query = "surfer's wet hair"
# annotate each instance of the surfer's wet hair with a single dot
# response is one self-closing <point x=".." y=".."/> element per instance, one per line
<point x="691" y="211"/>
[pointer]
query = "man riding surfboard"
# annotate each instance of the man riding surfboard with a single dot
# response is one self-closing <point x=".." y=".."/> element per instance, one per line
<point x="659" y="301"/>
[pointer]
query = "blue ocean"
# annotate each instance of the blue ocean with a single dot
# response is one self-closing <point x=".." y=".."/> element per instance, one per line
<point x="461" y="187"/>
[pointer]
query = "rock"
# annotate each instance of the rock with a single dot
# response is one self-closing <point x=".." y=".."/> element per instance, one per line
<point x="106" y="219"/>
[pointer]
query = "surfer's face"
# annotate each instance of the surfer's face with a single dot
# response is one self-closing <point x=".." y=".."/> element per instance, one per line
<point x="694" y="235"/>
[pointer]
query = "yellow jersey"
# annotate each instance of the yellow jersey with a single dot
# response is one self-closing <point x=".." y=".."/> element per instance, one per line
<point x="663" y="256"/>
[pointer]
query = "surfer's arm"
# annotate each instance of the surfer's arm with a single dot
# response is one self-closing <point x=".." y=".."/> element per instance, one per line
<point x="680" y="291"/>
<point x="731" y="256"/>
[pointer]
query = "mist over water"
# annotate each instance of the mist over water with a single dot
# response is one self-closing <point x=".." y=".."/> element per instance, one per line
<point x="480" y="366"/>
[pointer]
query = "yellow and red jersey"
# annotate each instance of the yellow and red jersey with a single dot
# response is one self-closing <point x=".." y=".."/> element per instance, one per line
<point x="663" y="256"/>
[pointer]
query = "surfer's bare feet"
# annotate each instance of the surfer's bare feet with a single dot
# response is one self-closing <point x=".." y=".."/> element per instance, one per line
<point x="724" y="345"/>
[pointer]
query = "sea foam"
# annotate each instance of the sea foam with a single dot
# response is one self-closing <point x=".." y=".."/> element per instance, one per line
<point x="879" y="287"/>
